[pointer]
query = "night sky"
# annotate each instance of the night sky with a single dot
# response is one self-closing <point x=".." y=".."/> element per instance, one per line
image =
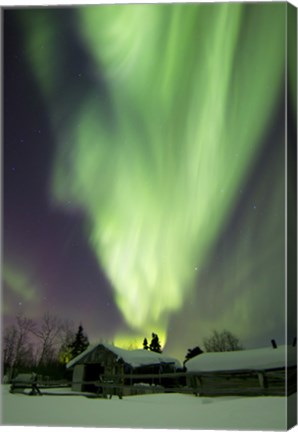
<point x="144" y="170"/>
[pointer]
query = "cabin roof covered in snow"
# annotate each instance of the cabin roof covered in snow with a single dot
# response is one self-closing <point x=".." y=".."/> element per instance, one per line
<point x="256" y="359"/>
<point x="136" y="358"/>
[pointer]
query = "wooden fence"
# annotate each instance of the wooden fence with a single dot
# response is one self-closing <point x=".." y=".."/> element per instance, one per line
<point x="275" y="382"/>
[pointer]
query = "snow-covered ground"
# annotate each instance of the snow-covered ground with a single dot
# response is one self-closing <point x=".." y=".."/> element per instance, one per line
<point x="170" y="411"/>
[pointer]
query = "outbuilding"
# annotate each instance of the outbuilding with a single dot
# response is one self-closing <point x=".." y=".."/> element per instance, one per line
<point x="104" y="363"/>
<point x="263" y="371"/>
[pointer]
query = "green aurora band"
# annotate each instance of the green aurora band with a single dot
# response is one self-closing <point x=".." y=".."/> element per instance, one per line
<point x="191" y="91"/>
<point x="19" y="284"/>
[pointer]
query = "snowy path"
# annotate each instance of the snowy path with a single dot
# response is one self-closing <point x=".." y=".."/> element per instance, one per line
<point x="147" y="411"/>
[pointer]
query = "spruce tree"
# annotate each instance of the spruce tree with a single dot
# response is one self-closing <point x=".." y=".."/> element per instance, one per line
<point x="145" y="344"/>
<point x="192" y="352"/>
<point x="80" y="342"/>
<point x="155" y="345"/>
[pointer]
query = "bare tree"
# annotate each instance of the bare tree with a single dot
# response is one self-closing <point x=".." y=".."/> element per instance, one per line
<point x="48" y="333"/>
<point x="17" y="349"/>
<point x="222" y="341"/>
<point x="9" y="348"/>
<point x="66" y="337"/>
<point x="24" y="327"/>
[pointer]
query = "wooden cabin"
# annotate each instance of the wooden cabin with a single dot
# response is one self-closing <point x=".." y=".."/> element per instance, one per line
<point x="105" y="363"/>
<point x="264" y="371"/>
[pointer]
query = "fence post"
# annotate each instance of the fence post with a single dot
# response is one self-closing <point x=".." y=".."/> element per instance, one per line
<point x="262" y="380"/>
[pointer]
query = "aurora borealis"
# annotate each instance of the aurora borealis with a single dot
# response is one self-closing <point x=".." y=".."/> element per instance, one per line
<point x="160" y="133"/>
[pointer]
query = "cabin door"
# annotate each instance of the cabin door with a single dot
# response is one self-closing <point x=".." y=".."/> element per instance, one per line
<point x="92" y="372"/>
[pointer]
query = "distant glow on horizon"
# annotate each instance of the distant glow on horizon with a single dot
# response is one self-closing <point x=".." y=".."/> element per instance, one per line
<point x="133" y="341"/>
<point x="157" y="169"/>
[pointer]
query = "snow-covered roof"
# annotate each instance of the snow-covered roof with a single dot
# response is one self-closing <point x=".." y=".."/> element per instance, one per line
<point x="257" y="359"/>
<point x="136" y="358"/>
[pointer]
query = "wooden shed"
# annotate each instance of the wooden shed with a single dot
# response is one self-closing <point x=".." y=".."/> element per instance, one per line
<point x="104" y="362"/>
<point x="264" y="371"/>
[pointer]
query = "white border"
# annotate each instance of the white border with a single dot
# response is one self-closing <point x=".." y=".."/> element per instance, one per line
<point x="13" y="3"/>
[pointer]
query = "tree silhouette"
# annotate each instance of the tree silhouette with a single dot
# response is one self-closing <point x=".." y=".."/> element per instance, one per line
<point x="224" y="341"/>
<point x="192" y="352"/>
<point x="80" y="342"/>
<point x="155" y="345"/>
<point x="48" y="333"/>
<point x="145" y="344"/>
<point x="67" y="336"/>
<point x="17" y="350"/>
